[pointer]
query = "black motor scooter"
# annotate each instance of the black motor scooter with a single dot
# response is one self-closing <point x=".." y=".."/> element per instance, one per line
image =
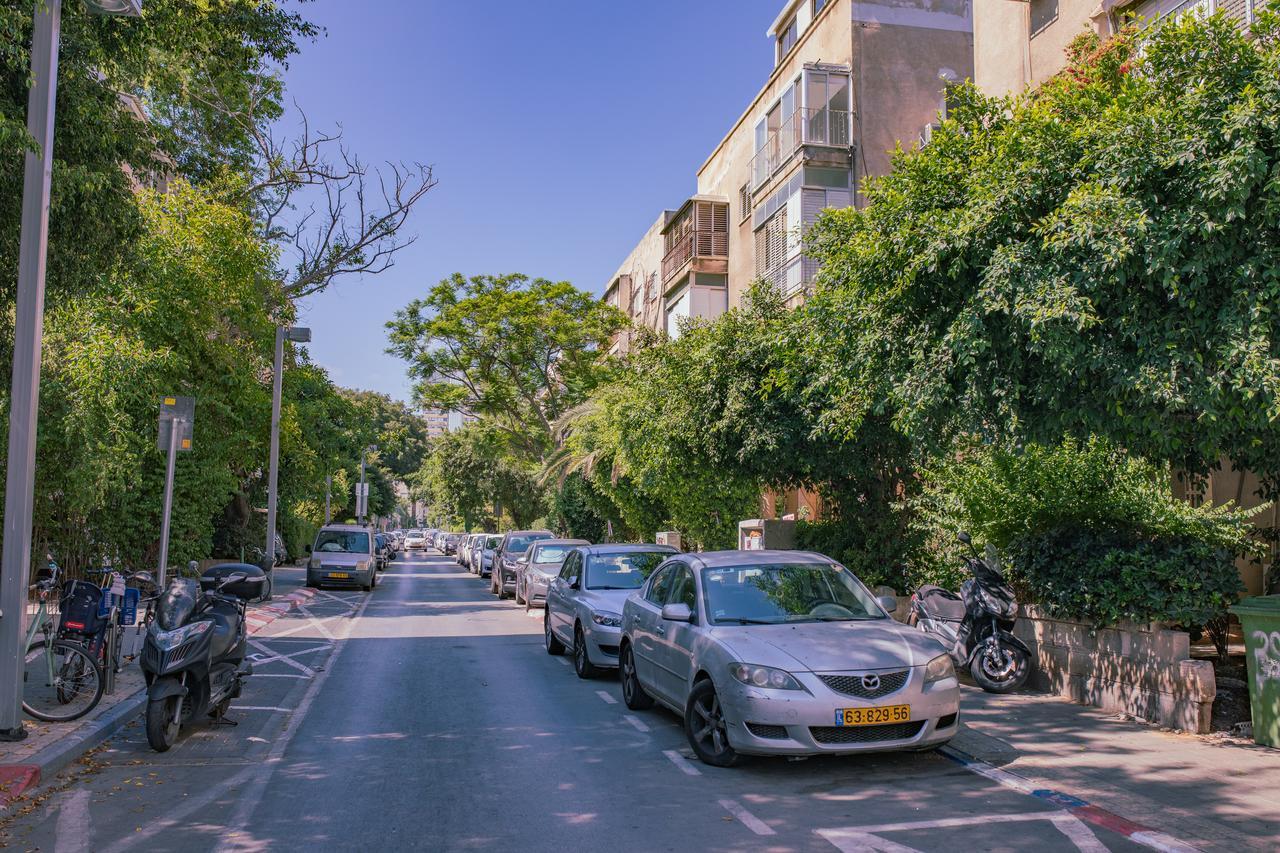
<point x="193" y="656"/>
<point x="976" y="625"/>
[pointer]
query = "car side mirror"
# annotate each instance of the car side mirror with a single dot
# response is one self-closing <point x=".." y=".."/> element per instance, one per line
<point x="575" y="583"/>
<point x="889" y="603"/>
<point x="679" y="612"/>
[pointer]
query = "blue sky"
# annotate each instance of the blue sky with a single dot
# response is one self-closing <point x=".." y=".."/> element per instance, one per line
<point x="558" y="130"/>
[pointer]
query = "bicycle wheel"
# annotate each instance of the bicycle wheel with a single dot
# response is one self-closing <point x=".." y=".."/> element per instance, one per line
<point x="61" y="681"/>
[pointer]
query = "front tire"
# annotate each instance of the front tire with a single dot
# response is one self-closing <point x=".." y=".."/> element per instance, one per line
<point x="998" y="668"/>
<point x="632" y="692"/>
<point x="705" y="727"/>
<point x="581" y="660"/>
<point x="519" y="598"/>
<point x="554" y="646"/>
<point x="162" y="722"/>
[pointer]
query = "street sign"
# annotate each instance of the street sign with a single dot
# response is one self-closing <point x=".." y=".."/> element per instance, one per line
<point x="181" y="410"/>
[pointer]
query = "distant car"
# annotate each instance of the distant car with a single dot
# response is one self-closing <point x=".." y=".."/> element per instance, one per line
<point x="415" y="540"/>
<point x="344" y="555"/>
<point x="584" y="601"/>
<point x="538" y="566"/>
<point x="382" y="550"/>
<point x="782" y="652"/>
<point x="450" y="545"/>
<point x="514" y="544"/>
<point x="462" y="552"/>
<point x="475" y="551"/>
<point x="486" y="552"/>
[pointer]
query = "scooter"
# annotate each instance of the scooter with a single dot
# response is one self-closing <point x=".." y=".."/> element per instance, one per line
<point x="193" y="655"/>
<point x="976" y="625"/>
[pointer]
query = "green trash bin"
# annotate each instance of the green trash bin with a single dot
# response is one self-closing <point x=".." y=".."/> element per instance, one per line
<point x="1260" y="621"/>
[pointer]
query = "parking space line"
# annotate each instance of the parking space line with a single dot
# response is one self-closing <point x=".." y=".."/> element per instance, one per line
<point x="564" y="661"/>
<point x="686" y="767"/>
<point x="852" y="841"/>
<point x="260" y="708"/>
<point x="286" y="659"/>
<point x="1080" y="834"/>
<point x="747" y="819"/>
<point x="609" y="700"/>
<point x="635" y="722"/>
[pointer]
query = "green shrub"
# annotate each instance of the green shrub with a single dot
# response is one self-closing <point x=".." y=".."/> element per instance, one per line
<point x="876" y="546"/>
<point x="1105" y="576"/>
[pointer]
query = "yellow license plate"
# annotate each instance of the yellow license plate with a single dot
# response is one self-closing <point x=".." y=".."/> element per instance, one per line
<point x="339" y="575"/>
<point x="873" y="716"/>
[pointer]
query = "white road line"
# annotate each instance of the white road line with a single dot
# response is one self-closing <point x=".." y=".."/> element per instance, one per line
<point x="1080" y="834"/>
<point x="260" y="708"/>
<point x="277" y="675"/>
<point x="564" y="661"/>
<point x="71" y="833"/>
<point x="747" y="819"/>
<point x="272" y="656"/>
<point x="635" y="722"/>
<point x="852" y="841"/>
<point x="609" y="700"/>
<point x="683" y="763"/>
<point x="946" y="822"/>
<point x="1161" y="842"/>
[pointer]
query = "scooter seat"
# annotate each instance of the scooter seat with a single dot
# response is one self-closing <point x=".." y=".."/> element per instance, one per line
<point x="941" y="603"/>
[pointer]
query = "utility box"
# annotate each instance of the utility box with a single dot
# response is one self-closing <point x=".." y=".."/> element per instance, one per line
<point x="760" y="534"/>
<point x="668" y="537"/>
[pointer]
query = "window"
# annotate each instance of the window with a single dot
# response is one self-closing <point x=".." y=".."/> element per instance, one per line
<point x="623" y="571"/>
<point x="660" y="585"/>
<point x="637" y="300"/>
<point x="787" y="592"/>
<point x="1043" y="13"/>
<point x="342" y="542"/>
<point x="744" y="202"/>
<point x="570" y="569"/>
<point x="787" y="37"/>
<point x="818" y="6"/>
<point x="827" y="103"/>
<point x="683" y="590"/>
<point x="771" y="247"/>
<point x="550" y="553"/>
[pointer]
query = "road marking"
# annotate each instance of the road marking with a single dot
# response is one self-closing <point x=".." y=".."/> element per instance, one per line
<point x="852" y="841"/>
<point x="609" y="700"/>
<point x="636" y="722"/>
<point x="260" y="708"/>
<point x="683" y="763"/>
<point x="71" y="833"/>
<point x="283" y="658"/>
<point x="747" y="819"/>
<point x="564" y="661"/>
<point x="1080" y="834"/>
<point x="860" y="839"/>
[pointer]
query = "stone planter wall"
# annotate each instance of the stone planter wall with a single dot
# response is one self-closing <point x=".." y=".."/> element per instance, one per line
<point x="1142" y="670"/>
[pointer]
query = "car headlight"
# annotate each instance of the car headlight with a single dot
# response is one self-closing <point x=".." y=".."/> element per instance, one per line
<point x="166" y="640"/>
<point x="938" y="669"/>
<point x="315" y="563"/>
<point x="608" y="620"/>
<point x="764" y="676"/>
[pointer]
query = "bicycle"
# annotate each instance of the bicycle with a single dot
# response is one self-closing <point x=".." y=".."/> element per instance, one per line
<point x="107" y="644"/>
<point x="61" y="681"/>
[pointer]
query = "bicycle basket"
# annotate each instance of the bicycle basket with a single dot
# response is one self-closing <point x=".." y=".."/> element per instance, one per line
<point x="79" y="606"/>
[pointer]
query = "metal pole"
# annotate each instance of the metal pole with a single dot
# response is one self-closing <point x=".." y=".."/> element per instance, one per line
<point x="270" y="550"/>
<point x="175" y="433"/>
<point x="24" y="399"/>
<point x="361" y="502"/>
<point x="328" y="498"/>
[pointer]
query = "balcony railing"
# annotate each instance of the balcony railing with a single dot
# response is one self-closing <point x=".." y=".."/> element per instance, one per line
<point x="697" y="243"/>
<point x="805" y="127"/>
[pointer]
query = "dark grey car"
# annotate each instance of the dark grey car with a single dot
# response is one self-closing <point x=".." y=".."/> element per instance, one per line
<point x="514" y="544"/>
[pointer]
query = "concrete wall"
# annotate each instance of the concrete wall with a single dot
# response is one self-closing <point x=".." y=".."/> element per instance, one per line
<point x="644" y="263"/>
<point x="1020" y="44"/>
<point x="1141" y="670"/>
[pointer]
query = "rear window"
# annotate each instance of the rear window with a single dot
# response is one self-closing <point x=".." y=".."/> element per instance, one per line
<point x="492" y="542"/>
<point x="520" y="544"/>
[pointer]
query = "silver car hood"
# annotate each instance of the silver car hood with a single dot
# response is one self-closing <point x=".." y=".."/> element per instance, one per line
<point x="610" y="600"/>
<point x="830" y="646"/>
<point x="340" y="558"/>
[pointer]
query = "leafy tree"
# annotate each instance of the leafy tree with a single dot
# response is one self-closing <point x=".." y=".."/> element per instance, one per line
<point x="517" y="352"/>
<point x="399" y="432"/>
<point x="1099" y="256"/>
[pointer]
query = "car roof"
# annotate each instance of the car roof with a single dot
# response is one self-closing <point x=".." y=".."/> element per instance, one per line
<point x="721" y="559"/>
<point x="347" y="528"/>
<point x="527" y="532"/>
<point x="542" y="542"/>
<point x="628" y="547"/>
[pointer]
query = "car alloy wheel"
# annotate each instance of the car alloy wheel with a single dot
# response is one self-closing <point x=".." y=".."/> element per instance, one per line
<point x="705" y="726"/>
<point x="632" y="693"/>
<point x="554" y="646"/>
<point x="581" y="661"/>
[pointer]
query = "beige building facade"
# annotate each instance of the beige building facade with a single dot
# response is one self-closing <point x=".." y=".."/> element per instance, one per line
<point x="850" y="82"/>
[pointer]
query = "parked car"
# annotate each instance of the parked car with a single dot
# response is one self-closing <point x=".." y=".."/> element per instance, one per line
<point x="514" y="544"/>
<point x="415" y="540"/>
<point x="782" y="652"/>
<point x="475" y="552"/>
<point x="382" y="550"/>
<point x="538" y="565"/>
<point x="584" y="601"/>
<point x="344" y="555"/>
<point x="487" y="552"/>
<point x="462" y="553"/>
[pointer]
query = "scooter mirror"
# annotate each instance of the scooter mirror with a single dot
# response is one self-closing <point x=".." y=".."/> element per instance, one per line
<point x="965" y="538"/>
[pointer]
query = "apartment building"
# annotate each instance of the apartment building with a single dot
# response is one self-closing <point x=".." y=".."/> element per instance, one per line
<point x="850" y="81"/>
<point x="437" y="422"/>
<point x="1018" y="44"/>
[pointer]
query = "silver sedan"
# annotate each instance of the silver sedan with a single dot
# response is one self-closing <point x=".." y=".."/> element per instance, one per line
<point x="584" y="602"/>
<point x="782" y="652"/>
<point x="538" y="566"/>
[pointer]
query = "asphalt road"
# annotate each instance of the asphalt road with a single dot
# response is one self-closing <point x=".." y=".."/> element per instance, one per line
<point x="427" y="716"/>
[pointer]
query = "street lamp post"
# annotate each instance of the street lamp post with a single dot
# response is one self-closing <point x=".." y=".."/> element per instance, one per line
<point x="298" y="335"/>
<point x="24" y="399"/>
<point x="362" y="502"/>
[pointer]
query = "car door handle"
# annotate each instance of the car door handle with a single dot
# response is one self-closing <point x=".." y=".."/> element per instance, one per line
<point x="661" y="630"/>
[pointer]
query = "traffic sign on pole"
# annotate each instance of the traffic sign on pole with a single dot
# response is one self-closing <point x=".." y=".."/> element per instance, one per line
<point x="177" y="422"/>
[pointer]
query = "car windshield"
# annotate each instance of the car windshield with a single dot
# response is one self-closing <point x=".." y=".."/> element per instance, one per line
<point x="492" y="542"/>
<point x="331" y="541"/>
<point x="622" y="571"/>
<point x="520" y="544"/>
<point x="786" y="592"/>
<point x="552" y="553"/>
<point x="416" y="534"/>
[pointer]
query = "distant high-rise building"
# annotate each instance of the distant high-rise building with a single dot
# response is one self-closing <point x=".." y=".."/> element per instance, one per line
<point x="440" y="421"/>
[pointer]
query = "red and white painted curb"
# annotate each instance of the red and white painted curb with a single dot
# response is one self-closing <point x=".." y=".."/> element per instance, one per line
<point x="17" y="779"/>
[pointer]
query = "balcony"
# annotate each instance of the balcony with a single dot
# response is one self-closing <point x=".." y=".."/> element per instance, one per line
<point x="805" y="127"/>
<point x="696" y="237"/>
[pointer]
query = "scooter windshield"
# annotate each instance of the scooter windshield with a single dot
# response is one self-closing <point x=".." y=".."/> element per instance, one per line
<point x="176" y="604"/>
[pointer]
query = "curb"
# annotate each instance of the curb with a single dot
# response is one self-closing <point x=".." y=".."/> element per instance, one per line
<point x="1145" y="836"/>
<point x="19" y="780"/>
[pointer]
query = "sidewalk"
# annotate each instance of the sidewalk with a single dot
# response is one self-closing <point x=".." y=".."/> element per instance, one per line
<point x="1215" y="792"/>
<point x="49" y="747"/>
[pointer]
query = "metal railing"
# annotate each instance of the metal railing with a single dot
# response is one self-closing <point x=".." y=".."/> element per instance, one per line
<point x="696" y="243"/>
<point x="805" y="127"/>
